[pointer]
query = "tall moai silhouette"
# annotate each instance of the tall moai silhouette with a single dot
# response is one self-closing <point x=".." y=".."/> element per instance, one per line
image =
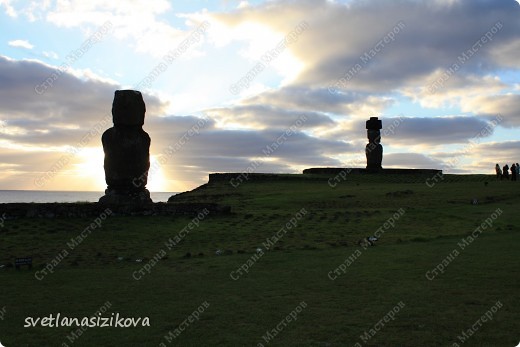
<point x="374" y="149"/>
<point x="127" y="151"/>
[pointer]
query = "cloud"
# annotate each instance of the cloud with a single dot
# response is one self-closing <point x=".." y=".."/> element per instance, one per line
<point x="306" y="98"/>
<point x="76" y="12"/>
<point x="261" y="116"/>
<point x="386" y="51"/>
<point x="501" y="152"/>
<point x="20" y="44"/>
<point x="419" y="131"/>
<point x="291" y="147"/>
<point x="53" y="122"/>
<point x="63" y="113"/>
<point x="507" y="106"/>
<point x="411" y="160"/>
<point x="505" y="54"/>
<point x="50" y="54"/>
<point x="433" y="130"/>
<point x="481" y="158"/>
<point x="434" y="91"/>
<point x="137" y="22"/>
<point x="432" y="35"/>
<point x="370" y="53"/>
<point x="485" y="96"/>
<point x="9" y="9"/>
<point x="355" y="59"/>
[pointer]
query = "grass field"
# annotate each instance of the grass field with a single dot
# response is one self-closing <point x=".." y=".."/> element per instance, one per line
<point x="286" y="268"/>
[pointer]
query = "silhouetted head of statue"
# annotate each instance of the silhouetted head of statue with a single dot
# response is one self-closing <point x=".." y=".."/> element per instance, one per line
<point x="374" y="123"/>
<point x="374" y="126"/>
<point x="128" y="108"/>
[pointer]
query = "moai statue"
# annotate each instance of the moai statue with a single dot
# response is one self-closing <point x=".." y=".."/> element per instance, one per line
<point x="374" y="150"/>
<point x="127" y="151"/>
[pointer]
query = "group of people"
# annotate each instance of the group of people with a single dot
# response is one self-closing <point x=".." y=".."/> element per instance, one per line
<point x="503" y="174"/>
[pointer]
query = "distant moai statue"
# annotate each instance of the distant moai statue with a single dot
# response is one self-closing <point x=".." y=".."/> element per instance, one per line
<point x="374" y="150"/>
<point x="127" y="151"/>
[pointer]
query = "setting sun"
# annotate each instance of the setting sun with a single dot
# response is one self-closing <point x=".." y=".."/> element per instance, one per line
<point x="157" y="181"/>
<point x="90" y="169"/>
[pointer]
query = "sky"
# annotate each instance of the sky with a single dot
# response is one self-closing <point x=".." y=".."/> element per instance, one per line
<point x="257" y="86"/>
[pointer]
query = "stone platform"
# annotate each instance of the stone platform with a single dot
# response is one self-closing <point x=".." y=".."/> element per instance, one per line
<point x="236" y="178"/>
<point x="357" y="171"/>
<point x="81" y="210"/>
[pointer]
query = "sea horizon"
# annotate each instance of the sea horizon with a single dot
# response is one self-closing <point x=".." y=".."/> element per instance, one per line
<point x="63" y="196"/>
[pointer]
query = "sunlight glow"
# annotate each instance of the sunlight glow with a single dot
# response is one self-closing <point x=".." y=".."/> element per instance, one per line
<point x="89" y="170"/>
<point x="90" y="173"/>
<point x="157" y="181"/>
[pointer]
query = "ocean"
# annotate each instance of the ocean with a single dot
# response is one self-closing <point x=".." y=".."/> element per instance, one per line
<point x="7" y="196"/>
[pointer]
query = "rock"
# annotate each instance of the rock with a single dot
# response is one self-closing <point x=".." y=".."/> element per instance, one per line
<point x="121" y="197"/>
<point x="127" y="152"/>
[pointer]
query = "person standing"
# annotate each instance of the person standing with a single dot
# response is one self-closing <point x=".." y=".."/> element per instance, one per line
<point x="498" y="170"/>
<point x="513" y="172"/>
<point x="505" y="172"/>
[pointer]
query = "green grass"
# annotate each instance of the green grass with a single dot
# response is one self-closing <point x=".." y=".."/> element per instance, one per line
<point x="295" y="270"/>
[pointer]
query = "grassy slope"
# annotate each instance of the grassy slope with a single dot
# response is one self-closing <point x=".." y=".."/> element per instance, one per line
<point x="241" y="311"/>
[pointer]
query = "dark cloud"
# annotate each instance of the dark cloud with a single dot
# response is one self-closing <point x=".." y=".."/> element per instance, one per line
<point x="259" y="116"/>
<point x="69" y="110"/>
<point x="498" y="147"/>
<point x="433" y="130"/>
<point x="292" y="147"/>
<point x="507" y="107"/>
<point x="489" y="154"/>
<point x="26" y="161"/>
<point x="429" y="35"/>
<point x="433" y="37"/>
<point x="60" y="113"/>
<point x="428" y="38"/>
<point x="482" y="157"/>
<point x="411" y="160"/>
<point x="305" y="99"/>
